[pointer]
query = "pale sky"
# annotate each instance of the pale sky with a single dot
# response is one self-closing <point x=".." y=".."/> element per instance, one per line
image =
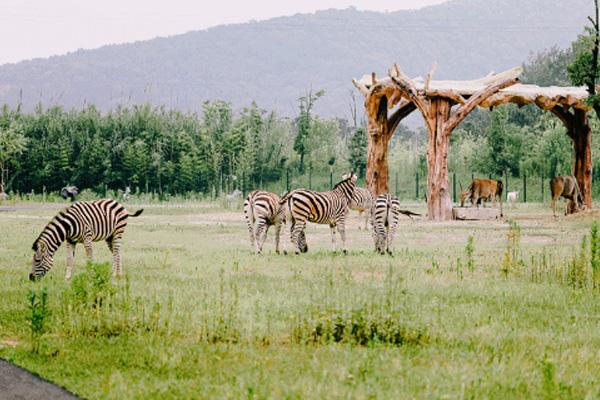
<point x="41" y="28"/>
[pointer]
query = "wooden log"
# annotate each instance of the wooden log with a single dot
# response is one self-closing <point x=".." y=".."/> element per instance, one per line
<point x="475" y="214"/>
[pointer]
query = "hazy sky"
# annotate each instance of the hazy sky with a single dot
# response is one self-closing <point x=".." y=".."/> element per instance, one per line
<point x="41" y="28"/>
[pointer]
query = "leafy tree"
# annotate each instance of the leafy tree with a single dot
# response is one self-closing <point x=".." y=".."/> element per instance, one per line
<point x="12" y="143"/>
<point x="584" y="69"/>
<point x="306" y="103"/>
<point x="503" y="144"/>
<point x="357" y="151"/>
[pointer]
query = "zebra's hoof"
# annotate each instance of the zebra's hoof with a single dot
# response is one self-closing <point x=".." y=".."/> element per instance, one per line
<point x="345" y="252"/>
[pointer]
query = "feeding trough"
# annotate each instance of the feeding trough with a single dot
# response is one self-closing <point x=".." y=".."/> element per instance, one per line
<point x="475" y="213"/>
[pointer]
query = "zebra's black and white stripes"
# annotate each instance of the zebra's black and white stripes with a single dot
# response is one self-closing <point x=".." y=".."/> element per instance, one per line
<point x="320" y="207"/>
<point x="262" y="209"/>
<point x="362" y="201"/>
<point x="83" y="222"/>
<point x="384" y="216"/>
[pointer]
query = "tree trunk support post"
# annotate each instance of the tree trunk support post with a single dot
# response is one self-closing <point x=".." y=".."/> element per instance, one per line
<point x="578" y="129"/>
<point x="379" y="97"/>
<point x="441" y="120"/>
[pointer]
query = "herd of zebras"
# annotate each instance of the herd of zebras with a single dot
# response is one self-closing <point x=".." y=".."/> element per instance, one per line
<point x="91" y="221"/>
<point x="264" y="209"/>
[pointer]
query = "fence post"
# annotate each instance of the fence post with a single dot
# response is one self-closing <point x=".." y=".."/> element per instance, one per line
<point x="310" y="178"/>
<point x="330" y="180"/>
<point x="287" y="179"/>
<point x="417" y="187"/>
<point x="542" y="184"/>
<point x="472" y="177"/>
<point x="524" y="188"/>
<point x="454" y="187"/>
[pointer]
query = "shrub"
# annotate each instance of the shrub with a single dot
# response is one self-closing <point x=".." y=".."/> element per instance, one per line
<point x="38" y="316"/>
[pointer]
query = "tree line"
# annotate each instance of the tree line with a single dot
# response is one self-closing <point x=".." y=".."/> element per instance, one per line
<point x="220" y="149"/>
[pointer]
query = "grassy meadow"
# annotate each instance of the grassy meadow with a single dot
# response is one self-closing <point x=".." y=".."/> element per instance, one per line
<point x="510" y="313"/>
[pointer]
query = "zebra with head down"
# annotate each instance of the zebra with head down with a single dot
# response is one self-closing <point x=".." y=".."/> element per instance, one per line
<point x="320" y="207"/>
<point x="83" y="222"/>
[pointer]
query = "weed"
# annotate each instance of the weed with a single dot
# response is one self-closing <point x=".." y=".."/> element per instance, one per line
<point x="362" y="326"/>
<point x="512" y="253"/>
<point x="577" y="276"/>
<point x="470" y="250"/>
<point x="595" y="254"/>
<point x="39" y="314"/>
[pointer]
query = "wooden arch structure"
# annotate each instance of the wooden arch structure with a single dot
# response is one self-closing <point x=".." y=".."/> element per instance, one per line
<point x="444" y="104"/>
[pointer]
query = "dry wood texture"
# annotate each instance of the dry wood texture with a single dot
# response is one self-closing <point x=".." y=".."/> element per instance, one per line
<point x="444" y="104"/>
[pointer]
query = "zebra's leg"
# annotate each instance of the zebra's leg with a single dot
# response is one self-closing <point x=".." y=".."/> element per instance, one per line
<point x="251" y="232"/>
<point x="391" y="233"/>
<point x="261" y="233"/>
<point x="277" y="236"/>
<point x="332" y="228"/>
<point x="296" y="231"/>
<point x="115" y="247"/>
<point x="70" y="255"/>
<point x="87" y="243"/>
<point x="367" y="214"/>
<point x="341" y="228"/>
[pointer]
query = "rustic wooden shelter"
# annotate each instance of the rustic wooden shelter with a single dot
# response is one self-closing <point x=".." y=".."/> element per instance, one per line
<point x="444" y="104"/>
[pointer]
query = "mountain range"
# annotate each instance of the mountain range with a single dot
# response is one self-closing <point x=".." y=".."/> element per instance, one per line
<point x="274" y="62"/>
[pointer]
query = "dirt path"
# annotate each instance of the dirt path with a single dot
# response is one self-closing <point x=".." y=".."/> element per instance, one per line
<point x="17" y="383"/>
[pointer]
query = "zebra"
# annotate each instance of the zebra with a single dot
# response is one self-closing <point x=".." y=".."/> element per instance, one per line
<point x="319" y="207"/>
<point x="362" y="201"/>
<point x="82" y="222"/>
<point x="385" y="214"/>
<point x="262" y="209"/>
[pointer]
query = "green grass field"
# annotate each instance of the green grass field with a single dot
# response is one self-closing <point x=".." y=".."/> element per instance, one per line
<point x="200" y="316"/>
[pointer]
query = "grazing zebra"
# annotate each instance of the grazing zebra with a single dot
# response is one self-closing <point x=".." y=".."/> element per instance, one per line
<point x="83" y="222"/>
<point x="384" y="217"/>
<point x="262" y="210"/>
<point x="319" y="207"/>
<point x="362" y="201"/>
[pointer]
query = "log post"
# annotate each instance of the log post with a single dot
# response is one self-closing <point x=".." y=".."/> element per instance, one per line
<point x="380" y="128"/>
<point x="439" y="205"/>
<point x="578" y="129"/>
<point x="377" y="175"/>
<point x="436" y="107"/>
<point x="582" y="160"/>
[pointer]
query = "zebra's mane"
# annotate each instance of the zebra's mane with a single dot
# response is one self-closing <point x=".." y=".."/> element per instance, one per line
<point x="340" y="183"/>
<point x="34" y="247"/>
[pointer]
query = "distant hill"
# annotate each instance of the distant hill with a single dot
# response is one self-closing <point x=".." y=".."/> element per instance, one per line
<point x="275" y="61"/>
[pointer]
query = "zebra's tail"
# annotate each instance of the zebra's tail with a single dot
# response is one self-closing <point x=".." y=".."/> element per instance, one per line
<point x="285" y="198"/>
<point x="249" y="209"/>
<point x="408" y="213"/>
<point x="137" y="213"/>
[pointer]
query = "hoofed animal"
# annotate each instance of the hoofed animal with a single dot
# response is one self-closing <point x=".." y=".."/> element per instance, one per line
<point x="69" y="192"/>
<point x="320" y="207"/>
<point x="482" y="190"/>
<point x="262" y="210"/>
<point x="362" y="201"/>
<point x="83" y="222"/>
<point x="385" y="214"/>
<point x="567" y="187"/>
<point x="512" y="197"/>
